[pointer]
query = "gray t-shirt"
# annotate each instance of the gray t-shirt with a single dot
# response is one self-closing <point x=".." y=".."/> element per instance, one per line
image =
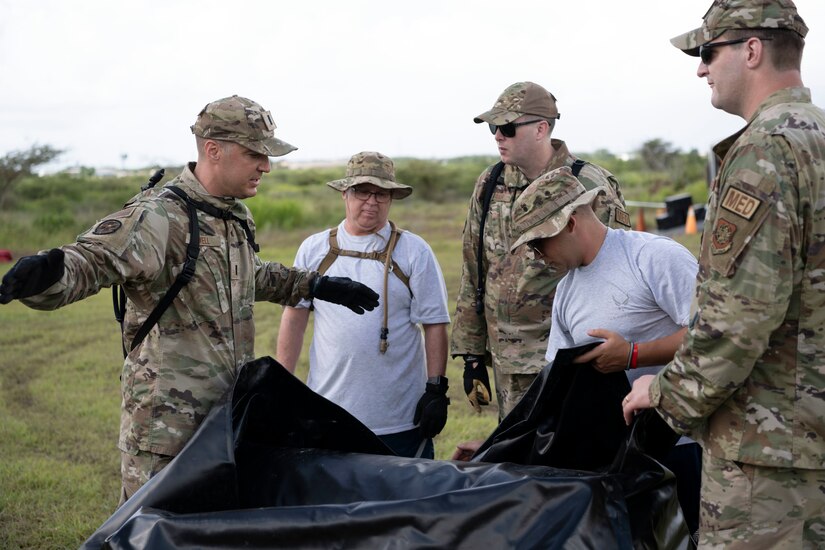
<point x="639" y="285"/>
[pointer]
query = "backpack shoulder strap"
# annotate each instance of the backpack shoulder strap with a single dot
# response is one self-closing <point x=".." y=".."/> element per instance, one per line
<point x="489" y="188"/>
<point x="335" y="251"/>
<point x="186" y="274"/>
<point x="395" y="234"/>
<point x="577" y="166"/>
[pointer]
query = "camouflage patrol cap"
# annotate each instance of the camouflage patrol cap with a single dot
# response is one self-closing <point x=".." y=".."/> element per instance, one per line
<point x="544" y="207"/>
<point x="241" y="121"/>
<point x="374" y="168"/>
<point x="521" y="98"/>
<point x="725" y="15"/>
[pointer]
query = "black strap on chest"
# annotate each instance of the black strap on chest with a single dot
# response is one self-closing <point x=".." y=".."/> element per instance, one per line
<point x="187" y="273"/>
<point x="489" y="189"/>
<point x="577" y="166"/>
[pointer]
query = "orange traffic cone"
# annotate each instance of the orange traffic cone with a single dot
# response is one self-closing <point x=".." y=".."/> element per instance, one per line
<point x="690" y="223"/>
<point x="640" y="220"/>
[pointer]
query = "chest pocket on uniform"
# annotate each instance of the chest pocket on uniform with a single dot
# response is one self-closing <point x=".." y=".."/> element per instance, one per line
<point x="207" y="297"/>
<point x="497" y="226"/>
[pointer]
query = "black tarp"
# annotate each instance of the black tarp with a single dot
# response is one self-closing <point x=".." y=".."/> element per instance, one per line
<point x="274" y="465"/>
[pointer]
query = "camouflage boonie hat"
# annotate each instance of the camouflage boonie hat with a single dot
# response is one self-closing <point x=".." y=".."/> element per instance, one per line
<point x="544" y="207"/>
<point x="725" y="15"/>
<point x="374" y="168"/>
<point x="521" y="98"/>
<point x="241" y="121"/>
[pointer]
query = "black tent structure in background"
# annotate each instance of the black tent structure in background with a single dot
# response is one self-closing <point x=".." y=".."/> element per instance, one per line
<point x="275" y="465"/>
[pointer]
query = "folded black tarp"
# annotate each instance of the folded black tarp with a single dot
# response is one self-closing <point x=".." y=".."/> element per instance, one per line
<point x="274" y="465"/>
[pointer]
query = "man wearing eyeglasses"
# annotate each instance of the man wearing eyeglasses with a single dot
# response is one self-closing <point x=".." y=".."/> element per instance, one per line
<point x="505" y="300"/>
<point x="748" y="383"/>
<point x="378" y="367"/>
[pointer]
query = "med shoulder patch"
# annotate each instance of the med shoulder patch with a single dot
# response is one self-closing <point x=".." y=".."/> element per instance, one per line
<point x="740" y="203"/>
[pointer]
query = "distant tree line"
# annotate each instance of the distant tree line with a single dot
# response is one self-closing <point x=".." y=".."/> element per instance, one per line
<point x="36" y="207"/>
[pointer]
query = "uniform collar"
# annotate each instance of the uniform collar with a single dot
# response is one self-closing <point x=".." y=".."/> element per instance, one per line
<point x="514" y="177"/>
<point x="195" y="189"/>
<point x="797" y="94"/>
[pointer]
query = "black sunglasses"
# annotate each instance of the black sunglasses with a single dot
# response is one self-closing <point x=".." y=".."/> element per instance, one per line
<point x="706" y="52"/>
<point x="509" y="129"/>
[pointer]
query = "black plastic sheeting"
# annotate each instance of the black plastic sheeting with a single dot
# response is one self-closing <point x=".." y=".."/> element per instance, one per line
<point x="275" y="465"/>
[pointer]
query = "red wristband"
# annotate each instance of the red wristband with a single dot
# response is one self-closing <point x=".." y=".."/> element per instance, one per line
<point x="635" y="356"/>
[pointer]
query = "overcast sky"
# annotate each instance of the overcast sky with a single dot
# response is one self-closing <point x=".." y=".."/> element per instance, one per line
<point x="104" y="78"/>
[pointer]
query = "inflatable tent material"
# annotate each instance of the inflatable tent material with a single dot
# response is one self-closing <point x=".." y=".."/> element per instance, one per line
<point x="275" y="465"/>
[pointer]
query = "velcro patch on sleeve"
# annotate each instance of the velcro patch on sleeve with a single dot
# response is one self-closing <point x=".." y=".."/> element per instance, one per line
<point x="740" y="203"/>
<point x="722" y="236"/>
<point x="107" y="227"/>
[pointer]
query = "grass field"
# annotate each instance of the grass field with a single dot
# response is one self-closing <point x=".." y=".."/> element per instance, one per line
<point x="59" y="394"/>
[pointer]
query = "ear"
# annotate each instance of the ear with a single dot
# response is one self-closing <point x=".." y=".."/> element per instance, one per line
<point x="213" y="150"/>
<point x="755" y="50"/>
<point x="572" y="222"/>
<point x="542" y="130"/>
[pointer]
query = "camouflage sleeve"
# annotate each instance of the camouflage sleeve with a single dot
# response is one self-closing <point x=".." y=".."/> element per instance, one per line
<point x="277" y="283"/>
<point x="128" y="245"/>
<point x="469" y="331"/>
<point x="610" y="207"/>
<point x="744" y="290"/>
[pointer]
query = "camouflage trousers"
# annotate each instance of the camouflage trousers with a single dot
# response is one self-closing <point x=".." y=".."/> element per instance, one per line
<point x="754" y="507"/>
<point x="510" y="388"/>
<point x="136" y="470"/>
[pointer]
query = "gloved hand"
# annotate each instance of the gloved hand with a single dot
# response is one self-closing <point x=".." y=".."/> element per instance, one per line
<point x="476" y="381"/>
<point x="32" y="275"/>
<point x="431" y="411"/>
<point x="344" y="291"/>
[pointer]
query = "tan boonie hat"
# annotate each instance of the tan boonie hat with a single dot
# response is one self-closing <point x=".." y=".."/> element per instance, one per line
<point x="241" y="121"/>
<point x="544" y="207"/>
<point x="725" y="15"/>
<point x="521" y="98"/>
<point x="374" y="168"/>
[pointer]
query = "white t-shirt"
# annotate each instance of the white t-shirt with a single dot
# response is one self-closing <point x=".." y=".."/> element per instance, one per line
<point x="639" y="285"/>
<point x="345" y="364"/>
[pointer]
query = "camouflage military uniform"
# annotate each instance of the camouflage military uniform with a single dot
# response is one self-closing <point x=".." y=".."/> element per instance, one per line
<point x="519" y="288"/>
<point x="187" y="361"/>
<point x="749" y="381"/>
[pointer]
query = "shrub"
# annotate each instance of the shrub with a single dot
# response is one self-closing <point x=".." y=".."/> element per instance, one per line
<point x="52" y="222"/>
<point x="284" y="213"/>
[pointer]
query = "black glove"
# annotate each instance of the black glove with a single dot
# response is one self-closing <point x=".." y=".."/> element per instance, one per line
<point x="32" y="275"/>
<point x="476" y="381"/>
<point x="344" y="291"/>
<point x="431" y="411"/>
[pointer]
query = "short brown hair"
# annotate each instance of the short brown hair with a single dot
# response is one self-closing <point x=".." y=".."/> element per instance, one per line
<point x="784" y="46"/>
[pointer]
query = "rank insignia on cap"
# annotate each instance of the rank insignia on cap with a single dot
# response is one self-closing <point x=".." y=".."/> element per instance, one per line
<point x="722" y="236"/>
<point x="740" y="203"/>
<point x="107" y="227"/>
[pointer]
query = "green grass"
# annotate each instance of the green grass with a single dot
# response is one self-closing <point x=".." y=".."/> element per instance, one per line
<point x="60" y="393"/>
